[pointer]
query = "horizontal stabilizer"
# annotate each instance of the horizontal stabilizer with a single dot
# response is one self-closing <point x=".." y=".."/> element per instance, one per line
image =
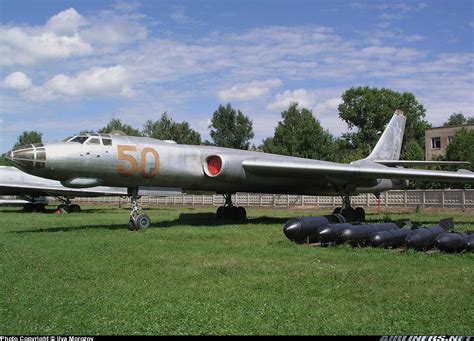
<point x="420" y="163"/>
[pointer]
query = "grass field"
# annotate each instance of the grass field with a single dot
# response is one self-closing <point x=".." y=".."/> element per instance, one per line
<point x="87" y="274"/>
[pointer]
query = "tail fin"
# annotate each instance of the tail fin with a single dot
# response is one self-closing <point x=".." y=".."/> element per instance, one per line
<point x="390" y="143"/>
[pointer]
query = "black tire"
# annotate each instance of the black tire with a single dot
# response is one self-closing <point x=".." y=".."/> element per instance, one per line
<point x="241" y="213"/>
<point x="142" y="222"/>
<point x="359" y="213"/>
<point x="228" y="212"/>
<point x="132" y="226"/>
<point x="39" y="207"/>
<point x="28" y="207"/>
<point x="220" y="213"/>
<point x="74" y="208"/>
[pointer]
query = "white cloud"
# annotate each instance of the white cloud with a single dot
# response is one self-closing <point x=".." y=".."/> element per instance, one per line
<point x="20" y="46"/>
<point x="17" y="81"/>
<point x="109" y="28"/>
<point x="66" y="22"/>
<point x="95" y="82"/>
<point x="249" y="91"/>
<point x="283" y="100"/>
<point x="69" y="34"/>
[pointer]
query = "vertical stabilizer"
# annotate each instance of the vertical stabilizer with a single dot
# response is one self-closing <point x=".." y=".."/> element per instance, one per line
<point x="390" y="143"/>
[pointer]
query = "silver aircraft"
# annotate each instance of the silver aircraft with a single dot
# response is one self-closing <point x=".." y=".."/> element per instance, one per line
<point x="15" y="182"/>
<point x="87" y="160"/>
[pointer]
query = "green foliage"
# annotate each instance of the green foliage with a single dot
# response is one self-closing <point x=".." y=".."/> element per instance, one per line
<point x="86" y="274"/>
<point x="412" y="151"/>
<point x="346" y="152"/>
<point x="230" y="128"/>
<point x="3" y="161"/>
<point x="461" y="147"/>
<point x="300" y="134"/>
<point x="116" y="124"/>
<point x="166" y="129"/>
<point x="29" y="137"/>
<point x="457" y="119"/>
<point x="368" y="110"/>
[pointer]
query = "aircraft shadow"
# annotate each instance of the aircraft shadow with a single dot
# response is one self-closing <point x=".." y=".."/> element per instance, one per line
<point x="200" y="219"/>
<point x="208" y="219"/>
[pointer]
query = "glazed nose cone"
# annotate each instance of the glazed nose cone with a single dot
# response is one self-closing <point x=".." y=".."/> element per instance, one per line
<point x="293" y="230"/>
<point x="27" y="157"/>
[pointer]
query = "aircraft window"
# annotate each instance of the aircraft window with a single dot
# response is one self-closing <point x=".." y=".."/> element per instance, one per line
<point x="93" y="140"/>
<point x="107" y="142"/>
<point x="79" y="139"/>
<point x="67" y="138"/>
<point x="40" y="155"/>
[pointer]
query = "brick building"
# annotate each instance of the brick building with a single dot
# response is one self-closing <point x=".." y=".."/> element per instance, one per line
<point x="437" y="139"/>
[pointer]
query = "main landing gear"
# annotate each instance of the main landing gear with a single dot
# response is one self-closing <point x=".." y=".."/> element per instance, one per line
<point x="351" y="214"/>
<point x="137" y="221"/>
<point x="229" y="211"/>
<point x="67" y="207"/>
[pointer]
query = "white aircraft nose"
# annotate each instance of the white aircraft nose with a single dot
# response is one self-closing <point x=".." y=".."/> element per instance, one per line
<point x="28" y="157"/>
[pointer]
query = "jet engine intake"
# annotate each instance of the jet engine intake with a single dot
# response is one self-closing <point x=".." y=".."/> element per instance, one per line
<point x="220" y="167"/>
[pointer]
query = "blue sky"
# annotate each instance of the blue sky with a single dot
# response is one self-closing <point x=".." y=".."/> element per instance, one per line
<point x="67" y="66"/>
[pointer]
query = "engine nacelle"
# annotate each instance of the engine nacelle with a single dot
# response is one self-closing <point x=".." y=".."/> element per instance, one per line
<point x="228" y="168"/>
<point x="384" y="185"/>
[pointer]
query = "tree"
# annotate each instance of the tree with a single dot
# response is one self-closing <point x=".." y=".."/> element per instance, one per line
<point x="300" y="134"/>
<point x="457" y="119"/>
<point x="167" y="129"/>
<point x="29" y="137"/>
<point x="230" y="128"/>
<point x="368" y="110"/>
<point x="116" y="124"/>
<point x="461" y="147"/>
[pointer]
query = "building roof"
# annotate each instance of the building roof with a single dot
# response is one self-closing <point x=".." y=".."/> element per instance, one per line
<point x="449" y="127"/>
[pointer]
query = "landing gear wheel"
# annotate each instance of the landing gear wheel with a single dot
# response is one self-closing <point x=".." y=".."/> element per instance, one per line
<point x="220" y="213"/>
<point x="39" y="207"/>
<point x="136" y="221"/>
<point x="229" y="212"/>
<point x="241" y="213"/>
<point x="349" y="214"/>
<point x="359" y="213"/>
<point x="28" y="207"/>
<point x="337" y="210"/>
<point x="74" y="208"/>
<point x="132" y="223"/>
<point x="142" y="222"/>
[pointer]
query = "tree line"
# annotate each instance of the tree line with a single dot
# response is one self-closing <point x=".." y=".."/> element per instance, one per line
<point x="299" y="133"/>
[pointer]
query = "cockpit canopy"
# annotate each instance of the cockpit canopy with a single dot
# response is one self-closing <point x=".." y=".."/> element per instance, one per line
<point x="90" y="138"/>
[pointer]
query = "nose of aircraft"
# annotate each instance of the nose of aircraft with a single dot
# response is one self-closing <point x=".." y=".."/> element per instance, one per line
<point x="28" y="157"/>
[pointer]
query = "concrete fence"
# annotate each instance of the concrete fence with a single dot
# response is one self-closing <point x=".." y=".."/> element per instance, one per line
<point x="409" y="198"/>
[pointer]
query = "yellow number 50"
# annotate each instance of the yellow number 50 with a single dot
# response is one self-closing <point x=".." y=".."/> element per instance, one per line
<point x="133" y="163"/>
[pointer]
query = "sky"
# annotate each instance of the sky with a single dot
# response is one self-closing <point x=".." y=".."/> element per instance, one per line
<point x="67" y="66"/>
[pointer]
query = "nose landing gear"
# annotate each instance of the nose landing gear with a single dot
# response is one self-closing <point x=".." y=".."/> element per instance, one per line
<point x="137" y="221"/>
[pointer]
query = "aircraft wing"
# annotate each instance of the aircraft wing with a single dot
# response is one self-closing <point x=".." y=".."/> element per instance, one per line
<point x="311" y="168"/>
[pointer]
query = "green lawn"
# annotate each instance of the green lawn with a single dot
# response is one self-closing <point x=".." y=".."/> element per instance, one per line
<point x="87" y="273"/>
